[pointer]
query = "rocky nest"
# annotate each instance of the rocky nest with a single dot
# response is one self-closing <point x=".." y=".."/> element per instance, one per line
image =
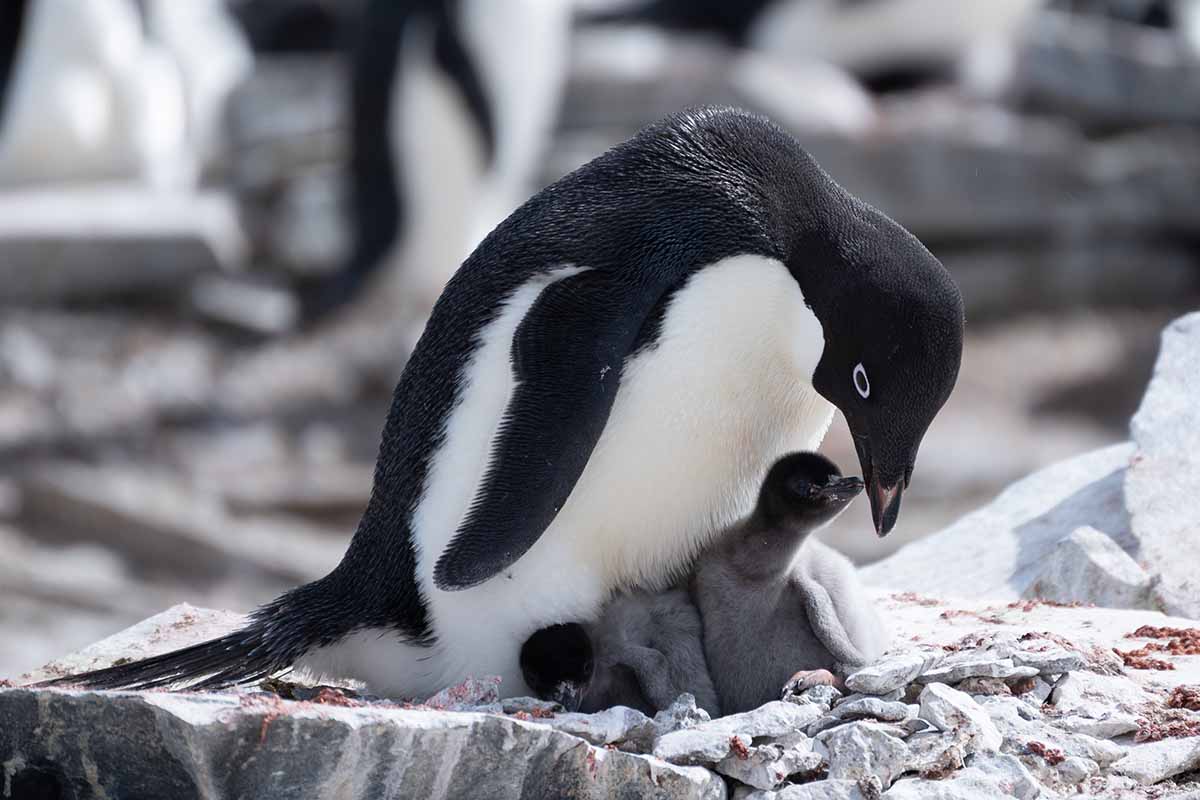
<point x="980" y="701"/>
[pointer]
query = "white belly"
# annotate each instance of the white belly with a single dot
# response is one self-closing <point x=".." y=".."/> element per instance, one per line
<point x="696" y="423"/>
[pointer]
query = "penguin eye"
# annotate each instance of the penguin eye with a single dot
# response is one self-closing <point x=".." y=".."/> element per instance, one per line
<point x="860" y="381"/>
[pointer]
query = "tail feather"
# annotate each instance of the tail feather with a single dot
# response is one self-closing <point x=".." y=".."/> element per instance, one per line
<point x="237" y="658"/>
<point x="277" y="635"/>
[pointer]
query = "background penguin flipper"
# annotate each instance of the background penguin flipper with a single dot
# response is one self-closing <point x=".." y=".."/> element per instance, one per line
<point x="567" y="356"/>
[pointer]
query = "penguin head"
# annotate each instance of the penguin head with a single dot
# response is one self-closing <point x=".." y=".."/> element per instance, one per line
<point x="557" y="663"/>
<point x="893" y="327"/>
<point x="805" y="491"/>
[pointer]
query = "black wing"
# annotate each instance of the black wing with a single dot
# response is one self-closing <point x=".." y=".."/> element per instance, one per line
<point x="567" y="356"/>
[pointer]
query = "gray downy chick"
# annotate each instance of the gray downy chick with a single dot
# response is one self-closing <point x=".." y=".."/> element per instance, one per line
<point x="643" y="652"/>
<point x="777" y="604"/>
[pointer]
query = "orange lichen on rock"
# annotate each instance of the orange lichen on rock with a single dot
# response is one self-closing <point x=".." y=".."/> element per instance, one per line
<point x="1051" y="755"/>
<point x="1185" y="697"/>
<point x="739" y="747"/>
<point x="1141" y="659"/>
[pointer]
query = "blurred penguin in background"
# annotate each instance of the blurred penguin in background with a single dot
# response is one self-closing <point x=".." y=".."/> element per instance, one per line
<point x="452" y="105"/>
<point x="114" y="89"/>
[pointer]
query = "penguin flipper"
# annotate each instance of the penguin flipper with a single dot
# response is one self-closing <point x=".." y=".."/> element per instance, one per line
<point x="567" y="356"/>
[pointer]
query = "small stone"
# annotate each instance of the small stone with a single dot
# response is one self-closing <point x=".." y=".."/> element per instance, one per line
<point x="1074" y="770"/>
<point x="693" y="747"/>
<point x="1033" y="690"/>
<point x="1009" y="774"/>
<point x="816" y="790"/>
<point x="979" y="668"/>
<point x="681" y="714"/>
<point x="952" y="710"/>
<point x="768" y="766"/>
<point x="1108" y="727"/>
<point x="984" y="686"/>
<point x="530" y="705"/>
<point x="933" y="754"/>
<point x="612" y="726"/>
<point x="993" y="777"/>
<point x="709" y="742"/>
<point x="861" y="749"/>
<point x="821" y="695"/>
<point x="1087" y="694"/>
<point x="872" y="708"/>
<point x="891" y="673"/>
<point x="468" y="695"/>
<point x="1049" y="662"/>
<point x="1156" y="761"/>
<point x="918" y="725"/>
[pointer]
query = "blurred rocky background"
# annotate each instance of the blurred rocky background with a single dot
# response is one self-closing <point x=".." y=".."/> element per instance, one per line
<point x="175" y="178"/>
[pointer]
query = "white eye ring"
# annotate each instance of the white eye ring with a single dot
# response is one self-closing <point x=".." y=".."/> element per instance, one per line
<point x="861" y="382"/>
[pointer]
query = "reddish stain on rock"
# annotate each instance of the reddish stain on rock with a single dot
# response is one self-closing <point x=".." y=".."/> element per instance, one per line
<point x="916" y="599"/>
<point x="739" y="747"/>
<point x="1185" y="697"/>
<point x="1141" y="659"/>
<point x="1051" y="755"/>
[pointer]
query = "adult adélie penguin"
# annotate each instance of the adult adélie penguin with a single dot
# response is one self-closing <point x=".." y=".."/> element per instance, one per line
<point x="600" y="389"/>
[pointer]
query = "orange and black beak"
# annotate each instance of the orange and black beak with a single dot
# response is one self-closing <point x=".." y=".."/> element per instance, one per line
<point x="884" y="494"/>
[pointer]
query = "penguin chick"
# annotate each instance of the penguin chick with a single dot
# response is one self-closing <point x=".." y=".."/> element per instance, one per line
<point x="774" y="601"/>
<point x="648" y="651"/>
<point x="558" y="662"/>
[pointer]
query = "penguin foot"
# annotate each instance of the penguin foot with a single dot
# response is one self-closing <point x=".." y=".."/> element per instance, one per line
<point x="808" y="678"/>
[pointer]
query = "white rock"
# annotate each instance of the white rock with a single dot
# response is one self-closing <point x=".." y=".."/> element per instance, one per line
<point x="1109" y="726"/>
<point x="820" y="695"/>
<point x="977" y="668"/>
<point x="709" y="742"/>
<point x="231" y="745"/>
<point x="1089" y="567"/>
<point x="1008" y="773"/>
<point x="873" y="708"/>
<point x="952" y="710"/>
<point x="1163" y="482"/>
<point x="1087" y="694"/>
<point x="692" y="747"/>
<point x="617" y="725"/>
<point x="768" y="766"/>
<point x="683" y="713"/>
<point x="1157" y="761"/>
<point x="817" y="790"/>
<point x="1021" y="526"/>
<point x="998" y="777"/>
<point x="891" y="672"/>
<point x="1074" y="770"/>
<point x="468" y="695"/>
<point x="529" y="705"/>
<point x="861" y="749"/>
<point x="1054" y="661"/>
<point x="934" y="750"/>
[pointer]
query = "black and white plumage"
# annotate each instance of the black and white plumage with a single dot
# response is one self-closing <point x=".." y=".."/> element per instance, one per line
<point x="600" y="390"/>
<point x="451" y="105"/>
<point x="774" y="601"/>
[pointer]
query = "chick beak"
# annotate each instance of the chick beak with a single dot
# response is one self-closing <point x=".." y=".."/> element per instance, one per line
<point x="569" y="695"/>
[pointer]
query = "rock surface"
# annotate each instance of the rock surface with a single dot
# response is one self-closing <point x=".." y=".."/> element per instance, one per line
<point x="1163" y="481"/>
<point x="1046" y="534"/>
<point x="1022" y="526"/>
<point x="1079" y="726"/>
<point x="1088" y="567"/>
